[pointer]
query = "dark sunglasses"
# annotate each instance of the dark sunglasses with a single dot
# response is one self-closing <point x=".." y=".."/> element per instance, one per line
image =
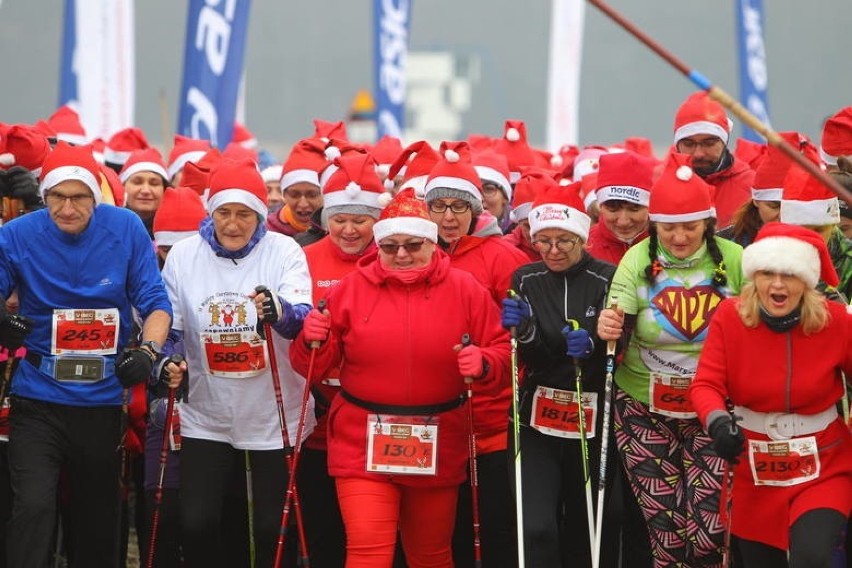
<point x="393" y="248"/>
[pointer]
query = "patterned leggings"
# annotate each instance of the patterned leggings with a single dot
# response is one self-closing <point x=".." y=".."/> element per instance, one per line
<point x="676" y="478"/>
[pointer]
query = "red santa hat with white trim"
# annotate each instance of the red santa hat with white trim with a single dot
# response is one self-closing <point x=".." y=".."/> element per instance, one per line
<point x="493" y="167"/>
<point x="325" y="130"/>
<point x="699" y="114"/>
<point x="515" y="147"/>
<point x="185" y="149"/>
<point x="385" y="152"/>
<point x="354" y="188"/>
<point x="560" y="207"/>
<point x="307" y="159"/>
<point x="625" y="176"/>
<point x="837" y="137"/>
<point x="413" y="164"/>
<point x="406" y="214"/>
<point x="178" y="216"/>
<point x="66" y="123"/>
<point x="680" y="195"/>
<point x="67" y="162"/>
<point x="243" y="136"/>
<point x="769" y="176"/>
<point x="790" y="249"/>
<point x="24" y="146"/>
<point x="237" y="182"/>
<point x="454" y="176"/>
<point x="533" y="181"/>
<point x="585" y="170"/>
<point x="122" y="144"/>
<point x="148" y="160"/>
<point x="806" y="201"/>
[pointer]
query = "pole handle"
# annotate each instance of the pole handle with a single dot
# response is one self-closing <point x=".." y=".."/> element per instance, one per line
<point x="610" y="345"/>
<point x="465" y="341"/>
<point x="321" y="307"/>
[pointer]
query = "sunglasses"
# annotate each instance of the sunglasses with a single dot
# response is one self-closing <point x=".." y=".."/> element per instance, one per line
<point x="393" y="248"/>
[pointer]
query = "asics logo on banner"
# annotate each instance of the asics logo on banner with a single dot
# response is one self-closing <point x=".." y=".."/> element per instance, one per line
<point x="687" y="310"/>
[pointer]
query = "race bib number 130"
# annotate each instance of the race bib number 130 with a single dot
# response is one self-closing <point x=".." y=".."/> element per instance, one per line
<point x="402" y="444"/>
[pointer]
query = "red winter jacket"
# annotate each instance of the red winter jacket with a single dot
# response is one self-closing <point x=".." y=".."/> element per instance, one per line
<point x="788" y="372"/>
<point x="492" y="261"/>
<point x="731" y="188"/>
<point x="604" y="245"/>
<point x="394" y="344"/>
<point x="517" y="240"/>
<point x="328" y="264"/>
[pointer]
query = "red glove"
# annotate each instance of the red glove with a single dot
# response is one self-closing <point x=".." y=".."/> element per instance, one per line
<point x="316" y="326"/>
<point x="470" y="361"/>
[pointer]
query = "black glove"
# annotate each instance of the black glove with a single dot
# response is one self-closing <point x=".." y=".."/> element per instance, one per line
<point x="13" y="330"/>
<point x="133" y="365"/>
<point x="728" y="439"/>
<point x="24" y="186"/>
<point x="272" y="309"/>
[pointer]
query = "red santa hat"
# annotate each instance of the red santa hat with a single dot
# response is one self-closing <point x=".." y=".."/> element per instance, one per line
<point x="586" y="166"/>
<point x="769" y="176"/>
<point x="307" y="159"/>
<point x="790" y="249"/>
<point x="195" y="177"/>
<point x="354" y="188"/>
<point x="44" y="128"/>
<point x="67" y="162"/>
<point x="406" y="214"/>
<point x="148" y="160"/>
<point x="178" y="217"/>
<point x="699" y="114"/>
<point x="493" y="167"/>
<point x="515" y="147"/>
<point x="272" y="173"/>
<point x="837" y="137"/>
<point x="66" y="123"/>
<point x="480" y="142"/>
<point x="336" y="148"/>
<point x="454" y="176"/>
<point x="532" y="182"/>
<point x="325" y="130"/>
<point x="24" y="146"/>
<point x="98" y="147"/>
<point x="185" y="149"/>
<point x="625" y="176"/>
<point x="560" y="207"/>
<point x="413" y="164"/>
<point x="243" y="136"/>
<point x="640" y="145"/>
<point x="235" y="151"/>
<point x="123" y="143"/>
<point x="752" y="153"/>
<point x="237" y="182"/>
<point x="806" y="201"/>
<point x="385" y="152"/>
<point x="680" y="195"/>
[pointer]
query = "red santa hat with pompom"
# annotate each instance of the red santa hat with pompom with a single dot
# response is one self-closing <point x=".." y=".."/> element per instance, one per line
<point x="178" y="216"/>
<point x="837" y="137"/>
<point x="406" y="214"/>
<point x="493" y="167"/>
<point x="244" y="137"/>
<point x="385" y="152"/>
<point x="237" y="182"/>
<point x="585" y="170"/>
<point x="515" y="147"/>
<point x="454" y="176"/>
<point x="413" y="165"/>
<point x="67" y="162"/>
<point x="680" y="195"/>
<point x="699" y="114"/>
<point x="185" y="149"/>
<point x="790" y="249"/>
<point x="307" y="159"/>
<point x="325" y="130"/>
<point x="532" y="182"/>
<point x="354" y="188"/>
<point x="560" y="207"/>
<point x="148" y="160"/>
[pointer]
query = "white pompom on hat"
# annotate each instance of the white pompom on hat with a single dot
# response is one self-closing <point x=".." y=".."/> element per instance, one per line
<point x="354" y="187"/>
<point x="790" y="249"/>
<point x="454" y="176"/>
<point x="680" y="195"/>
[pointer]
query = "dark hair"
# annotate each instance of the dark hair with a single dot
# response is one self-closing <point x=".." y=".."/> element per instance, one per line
<point x="720" y="276"/>
<point x="746" y="222"/>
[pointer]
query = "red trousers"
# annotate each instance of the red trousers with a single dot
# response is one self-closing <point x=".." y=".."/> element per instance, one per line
<point x="374" y="510"/>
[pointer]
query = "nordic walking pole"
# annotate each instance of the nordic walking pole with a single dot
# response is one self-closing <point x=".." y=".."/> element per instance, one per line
<point x="474" y="474"/>
<point x="177" y="359"/>
<point x="607" y="412"/>
<point x="285" y="437"/>
<point x="250" y="510"/>
<point x="584" y="445"/>
<point x="291" y="482"/>
<point x="516" y="436"/>
<point x="727" y="101"/>
<point x="727" y="493"/>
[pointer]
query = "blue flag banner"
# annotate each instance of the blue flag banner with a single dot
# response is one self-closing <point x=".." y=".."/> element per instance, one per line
<point x="391" y="24"/>
<point x="68" y="77"/>
<point x="212" y="68"/>
<point x="754" y="79"/>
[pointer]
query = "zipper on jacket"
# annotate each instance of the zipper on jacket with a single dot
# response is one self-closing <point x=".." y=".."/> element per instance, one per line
<point x="789" y="385"/>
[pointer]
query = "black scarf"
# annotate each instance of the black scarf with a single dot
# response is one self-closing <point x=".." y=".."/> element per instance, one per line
<point x="780" y="324"/>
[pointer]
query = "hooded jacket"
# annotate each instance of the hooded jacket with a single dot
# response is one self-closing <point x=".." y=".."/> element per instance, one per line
<point x="731" y="188"/>
<point x="605" y="246"/>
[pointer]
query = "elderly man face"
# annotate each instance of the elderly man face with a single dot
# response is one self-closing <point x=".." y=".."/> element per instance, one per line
<point x="70" y="204"/>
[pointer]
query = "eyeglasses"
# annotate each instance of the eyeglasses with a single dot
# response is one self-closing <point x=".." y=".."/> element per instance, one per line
<point x="490" y="188"/>
<point x="457" y="207"/>
<point x="297" y="195"/>
<point x="562" y="245"/>
<point x="58" y="200"/>
<point x="393" y="248"/>
<point x="689" y="145"/>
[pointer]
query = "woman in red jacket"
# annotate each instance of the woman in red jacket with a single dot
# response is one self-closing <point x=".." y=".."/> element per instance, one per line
<point x="397" y="434"/>
<point x="776" y="353"/>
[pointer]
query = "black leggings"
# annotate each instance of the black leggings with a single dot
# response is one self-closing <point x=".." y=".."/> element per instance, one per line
<point x="814" y="539"/>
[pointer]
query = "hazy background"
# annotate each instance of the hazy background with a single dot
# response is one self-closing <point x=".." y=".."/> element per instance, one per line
<point x="307" y="59"/>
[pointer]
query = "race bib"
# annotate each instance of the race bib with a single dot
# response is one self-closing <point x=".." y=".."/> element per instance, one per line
<point x="669" y="396"/>
<point x="234" y="355"/>
<point x="402" y="444"/>
<point x="84" y="332"/>
<point x="555" y="412"/>
<point x="784" y="463"/>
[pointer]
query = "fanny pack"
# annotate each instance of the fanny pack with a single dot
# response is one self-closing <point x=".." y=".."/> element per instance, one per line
<point x="73" y="368"/>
